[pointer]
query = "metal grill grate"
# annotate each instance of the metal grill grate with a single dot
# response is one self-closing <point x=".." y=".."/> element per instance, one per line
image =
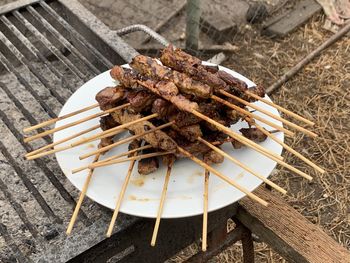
<point x="44" y="57"/>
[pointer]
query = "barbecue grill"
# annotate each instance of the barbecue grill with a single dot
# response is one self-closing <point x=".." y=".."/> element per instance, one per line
<point x="47" y="50"/>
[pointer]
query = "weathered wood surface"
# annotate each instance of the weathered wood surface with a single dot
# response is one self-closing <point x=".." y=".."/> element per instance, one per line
<point x="219" y="19"/>
<point x="288" y="232"/>
<point x="286" y="22"/>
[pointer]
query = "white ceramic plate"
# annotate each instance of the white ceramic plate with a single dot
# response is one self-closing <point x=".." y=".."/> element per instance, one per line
<point x="185" y="192"/>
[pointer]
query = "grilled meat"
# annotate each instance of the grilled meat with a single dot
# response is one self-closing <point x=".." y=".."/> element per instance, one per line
<point x="165" y="89"/>
<point x="152" y="69"/>
<point x="110" y="96"/>
<point x="253" y="134"/>
<point x="140" y="100"/>
<point x="191" y="132"/>
<point x="148" y="165"/>
<point x="158" y="139"/>
<point x="107" y="122"/>
<point x="212" y="157"/>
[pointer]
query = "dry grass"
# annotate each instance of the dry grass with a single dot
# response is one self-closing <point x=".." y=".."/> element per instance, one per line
<point x="320" y="92"/>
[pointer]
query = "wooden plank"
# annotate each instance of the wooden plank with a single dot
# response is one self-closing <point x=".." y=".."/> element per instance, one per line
<point x="283" y="24"/>
<point x="288" y="232"/>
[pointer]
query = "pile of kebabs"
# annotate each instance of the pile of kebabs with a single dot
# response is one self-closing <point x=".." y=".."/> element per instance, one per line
<point x="176" y="107"/>
<point x="172" y="91"/>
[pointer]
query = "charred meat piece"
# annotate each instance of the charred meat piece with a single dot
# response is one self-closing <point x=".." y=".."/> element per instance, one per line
<point x="257" y="90"/>
<point x="152" y="69"/>
<point x="110" y="96"/>
<point x="212" y="157"/>
<point x="107" y="122"/>
<point x="236" y="144"/>
<point x="191" y="132"/>
<point x="163" y="108"/>
<point x="183" y="118"/>
<point x="165" y="89"/>
<point x="235" y="83"/>
<point x="211" y="69"/>
<point x="133" y="145"/>
<point x="253" y="134"/>
<point x="158" y="139"/>
<point x="140" y="100"/>
<point x="148" y="165"/>
<point x="190" y="65"/>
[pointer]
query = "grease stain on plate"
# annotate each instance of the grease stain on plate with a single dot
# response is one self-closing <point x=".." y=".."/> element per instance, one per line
<point x="90" y="146"/>
<point x="139" y="181"/>
<point x="195" y="174"/>
<point x="239" y="176"/>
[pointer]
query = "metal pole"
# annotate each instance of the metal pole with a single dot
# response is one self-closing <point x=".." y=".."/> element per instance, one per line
<point x="192" y="24"/>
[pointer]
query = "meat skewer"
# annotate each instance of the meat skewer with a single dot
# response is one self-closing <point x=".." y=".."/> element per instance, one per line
<point x="170" y="162"/>
<point x="113" y="131"/>
<point x="127" y="78"/>
<point x="144" y="134"/>
<point x="276" y="117"/>
<point x="138" y="157"/>
<point x="300" y="118"/>
<point x="205" y="211"/>
<point x="48" y="132"/>
<point x="252" y="115"/>
<point x="120" y="197"/>
<point x="51" y="121"/>
<point x="114" y="157"/>
<point x="58" y="149"/>
<point x="81" y="198"/>
<point x="288" y="148"/>
<point x="183" y="62"/>
<point x="223" y="177"/>
<point x="150" y="68"/>
<point x="52" y="145"/>
<point x="243" y="166"/>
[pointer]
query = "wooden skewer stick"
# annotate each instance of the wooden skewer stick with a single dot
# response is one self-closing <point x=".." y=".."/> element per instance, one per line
<point x="242" y="165"/>
<point x="138" y="157"/>
<point x="298" y="117"/>
<point x="205" y="211"/>
<point x="48" y="132"/>
<point x="290" y="149"/>
<point x="81" y="198"/>
<point x="120" y="199"/>
<point x="51" y="145"/>
<point x="114" y="130"/>
<point x="252" y="115"/>
<point x="255" y="146"/>
<point x="114" y="157"/>
<point x="106" y="148"/>
<point x="276" y="117"/>
<point x="238" y="137"/>
<point x="58" y="149"/>
<point x="161" y="204"/>
<point x="45" y="123"/>
<point x="223" y="177"/>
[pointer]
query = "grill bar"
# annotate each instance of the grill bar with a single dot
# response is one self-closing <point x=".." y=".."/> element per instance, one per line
<point x="18" y="208"/>
<point x="61" y="39"/>
<point x="9" y="241"/>
<point x="35" y="52"/>
<point x="32" y="69"/>
<point x="10" y="68"/>
<point x="30" y="186"/>
<point x="43" y="166"/>
<point x="77" y="35"/>
<point x="50" y="46"/>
